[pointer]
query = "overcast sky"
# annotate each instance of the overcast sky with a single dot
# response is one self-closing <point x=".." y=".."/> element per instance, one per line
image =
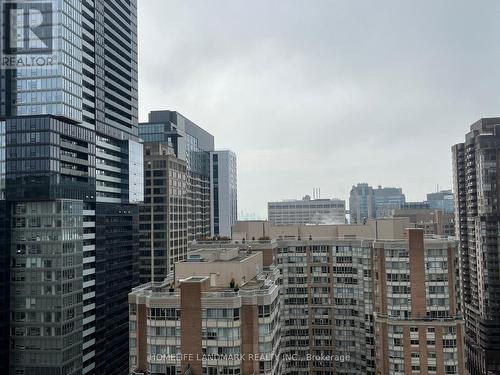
<point x="324" y="93"/>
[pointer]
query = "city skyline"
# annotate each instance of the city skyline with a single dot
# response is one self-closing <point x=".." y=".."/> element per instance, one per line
<point x="269" y="79"/>
<point x="121" y="250"/>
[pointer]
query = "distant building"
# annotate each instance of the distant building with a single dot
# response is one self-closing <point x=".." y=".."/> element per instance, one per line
<point x="307" y="211"/>
<point x="219" y="314"/>
<point x="223" y="192"/>
<point x="432" y="221"/>
<point x="365" y="202"/>
<point x="416" y="206"/>
<point x="361" y="203"/>
<point x="245" y="215"/>
<point x="387" y="199"/>
<point x="442" y="200"/>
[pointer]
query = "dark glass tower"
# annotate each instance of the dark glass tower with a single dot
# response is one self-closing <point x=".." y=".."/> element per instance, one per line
<point x="73" y="172"/>
<point x="4" y="262"/>
<point x="477" y="222"/>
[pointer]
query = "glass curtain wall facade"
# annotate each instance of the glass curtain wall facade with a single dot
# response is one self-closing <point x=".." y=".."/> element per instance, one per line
<point x="71" y="135"/>
<point x="224" y="192"/>
<point x="361" y="203"/>
<point x="4" y="262"/>
<point x="46" y="305"/>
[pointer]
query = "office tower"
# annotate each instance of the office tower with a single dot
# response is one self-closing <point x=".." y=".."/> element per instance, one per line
<point x="386" y="199"/>
<point x="477" y="221"/>
<point x="418" y="324"/>
<point x="73" y="175"/>
<point x="365" y="202"/>
<point x="193" y="145"/>
<point x="223" y="192"/>
<point x="307" y="211"/>
<point x="164" y="214"/>
<point x="433" y="221"/>
<point x="442" y="200"/>
<point x="361" y="203"/>
<point x="219" y="314"/>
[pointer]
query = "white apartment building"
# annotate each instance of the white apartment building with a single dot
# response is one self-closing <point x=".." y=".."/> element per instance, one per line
<point x="307" y="211"/>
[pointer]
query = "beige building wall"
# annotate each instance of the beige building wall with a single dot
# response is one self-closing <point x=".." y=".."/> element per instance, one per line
<point x="387" y="228"/>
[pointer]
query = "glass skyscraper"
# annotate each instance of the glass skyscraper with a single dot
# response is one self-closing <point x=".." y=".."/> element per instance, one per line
<point x="223" y="191"/>
<point x="71" y="173"/>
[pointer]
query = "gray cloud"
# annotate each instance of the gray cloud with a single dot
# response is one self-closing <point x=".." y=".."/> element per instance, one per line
<point x="324" y="93"/>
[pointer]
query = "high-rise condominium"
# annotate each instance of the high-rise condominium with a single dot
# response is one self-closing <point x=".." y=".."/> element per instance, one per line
<point x="475" y="187"/>
<point x="364" y="299"/>
<point x="72" y="167"/>
<point x="306" y="211"/>
<point x="223" y="191"/>
<point x="418" y="323"/>
<point x="163" y="219"/>
<point x="176" y="207"/>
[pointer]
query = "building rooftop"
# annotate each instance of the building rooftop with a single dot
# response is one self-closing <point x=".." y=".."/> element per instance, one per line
<point x="230" y="271"/>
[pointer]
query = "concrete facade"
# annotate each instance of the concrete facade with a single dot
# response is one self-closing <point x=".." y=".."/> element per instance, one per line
<point x="307" y="211"/>
<point x="164" y="213"/>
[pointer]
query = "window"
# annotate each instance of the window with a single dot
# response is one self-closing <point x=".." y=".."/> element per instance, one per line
<point x="449" y="343"/>
<point x="450" y="369"/>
